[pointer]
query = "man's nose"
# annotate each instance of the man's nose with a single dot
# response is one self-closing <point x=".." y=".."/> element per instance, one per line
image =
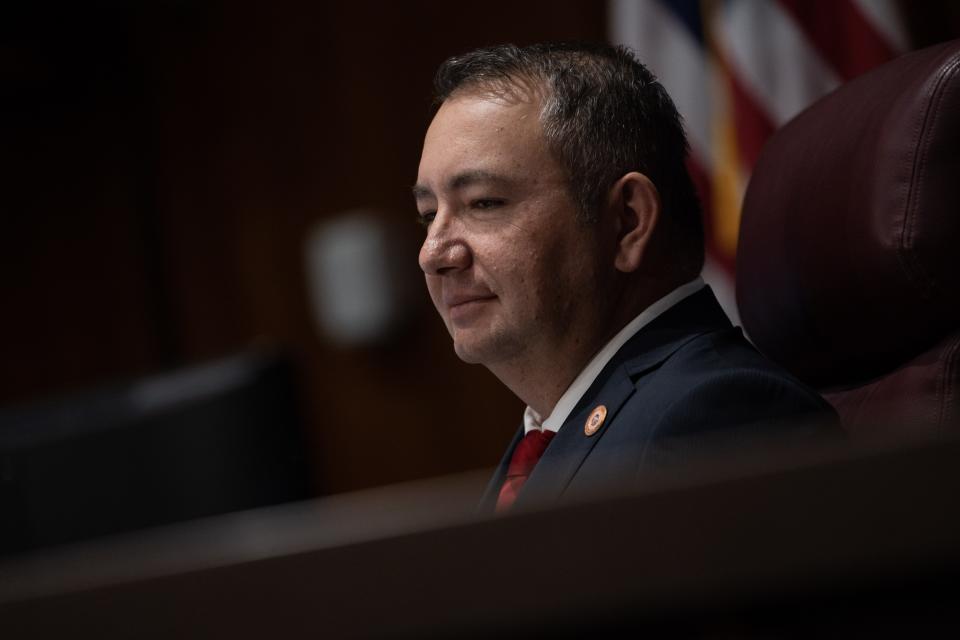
<point x="444" y="250"/>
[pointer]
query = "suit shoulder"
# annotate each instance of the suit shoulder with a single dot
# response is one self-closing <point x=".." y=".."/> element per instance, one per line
<point x="726" y="355"/>
<point x="719" y="379"/>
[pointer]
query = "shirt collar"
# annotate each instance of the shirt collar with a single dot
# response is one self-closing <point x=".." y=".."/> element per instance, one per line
<point x="533" y="421"/>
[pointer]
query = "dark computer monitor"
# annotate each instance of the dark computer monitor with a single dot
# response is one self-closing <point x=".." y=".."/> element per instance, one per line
<point x="214" y="438"/>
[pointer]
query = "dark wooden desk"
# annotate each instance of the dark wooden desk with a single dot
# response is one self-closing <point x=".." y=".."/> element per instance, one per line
<point x="859" y="545"/>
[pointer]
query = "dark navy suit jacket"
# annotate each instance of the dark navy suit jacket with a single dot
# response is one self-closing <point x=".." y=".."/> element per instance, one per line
<point x="686" y="383"/>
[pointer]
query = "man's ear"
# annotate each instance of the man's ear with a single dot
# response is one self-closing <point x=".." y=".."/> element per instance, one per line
<point x="635" y="203"/>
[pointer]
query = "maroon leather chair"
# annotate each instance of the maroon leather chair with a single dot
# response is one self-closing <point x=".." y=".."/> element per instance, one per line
<point x="848" y="266"/>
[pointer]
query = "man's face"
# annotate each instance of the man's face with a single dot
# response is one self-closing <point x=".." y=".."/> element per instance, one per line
<point x="512" y="272"/>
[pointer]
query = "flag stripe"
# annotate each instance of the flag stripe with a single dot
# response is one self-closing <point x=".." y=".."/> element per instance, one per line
<point x="843" y="36"/>
<point x="752" y="124"/>
<point x="759" y="40"/>
<point x="885" y="16"/>
<point x="670" y="51"/>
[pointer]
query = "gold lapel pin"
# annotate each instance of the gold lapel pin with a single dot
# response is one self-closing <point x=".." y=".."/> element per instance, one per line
<point x="595" y="421"/>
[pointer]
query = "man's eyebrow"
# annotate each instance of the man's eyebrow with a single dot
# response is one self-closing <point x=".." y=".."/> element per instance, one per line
<point x="421" y="192"/>
<point x="462" y="180"/>
<point x="468" y="178"/>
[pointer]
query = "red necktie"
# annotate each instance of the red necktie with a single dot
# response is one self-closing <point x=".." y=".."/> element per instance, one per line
<point x="524" y="458"/>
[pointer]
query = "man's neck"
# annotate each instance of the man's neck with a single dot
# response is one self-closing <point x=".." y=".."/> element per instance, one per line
<point x="541" y="381"/>
<point x="540" y="378"/>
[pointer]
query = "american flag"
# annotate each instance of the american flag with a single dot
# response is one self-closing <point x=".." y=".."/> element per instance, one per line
<point x="737" y="70"/>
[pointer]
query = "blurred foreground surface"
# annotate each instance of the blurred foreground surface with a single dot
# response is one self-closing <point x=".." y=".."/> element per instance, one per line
<point x="807" y="545"/>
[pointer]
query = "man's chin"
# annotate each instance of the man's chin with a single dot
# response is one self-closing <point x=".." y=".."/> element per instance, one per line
<point x="472" y="346"/>
<point x="466" y="353"/>
<point x="486" y="349"/>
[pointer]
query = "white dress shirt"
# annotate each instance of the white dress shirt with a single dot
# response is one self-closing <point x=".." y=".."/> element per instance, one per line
<point x="580" y="384"/>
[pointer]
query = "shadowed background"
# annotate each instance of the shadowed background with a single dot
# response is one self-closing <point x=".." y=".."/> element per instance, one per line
<point x="164" y="166"/>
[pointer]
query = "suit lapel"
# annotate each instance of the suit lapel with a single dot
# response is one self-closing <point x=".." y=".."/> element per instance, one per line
<point x="571" y="445"/>
<point x="643" y="353"/>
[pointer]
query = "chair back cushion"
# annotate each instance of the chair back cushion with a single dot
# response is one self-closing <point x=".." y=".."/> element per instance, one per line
<point x="848" y="262"/>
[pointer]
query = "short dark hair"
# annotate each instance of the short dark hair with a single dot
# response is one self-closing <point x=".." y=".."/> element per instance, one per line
<point x="603" y="115"/>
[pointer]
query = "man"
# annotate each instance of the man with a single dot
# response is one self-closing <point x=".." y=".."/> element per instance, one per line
<point x="563" y="251"/>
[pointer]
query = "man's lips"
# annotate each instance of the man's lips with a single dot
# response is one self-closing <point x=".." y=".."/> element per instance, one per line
<point x="455" y="300"/>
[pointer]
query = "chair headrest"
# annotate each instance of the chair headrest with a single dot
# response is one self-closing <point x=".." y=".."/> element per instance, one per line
<point x="849" y="254"/>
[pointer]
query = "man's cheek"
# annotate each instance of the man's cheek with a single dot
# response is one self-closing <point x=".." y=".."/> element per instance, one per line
<point x="433" y="288"/>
